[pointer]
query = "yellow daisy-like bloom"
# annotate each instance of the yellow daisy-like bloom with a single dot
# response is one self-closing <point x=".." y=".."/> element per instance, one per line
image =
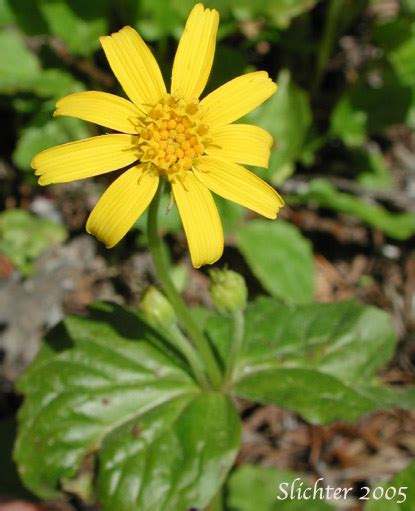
<point x="191" y="143"/>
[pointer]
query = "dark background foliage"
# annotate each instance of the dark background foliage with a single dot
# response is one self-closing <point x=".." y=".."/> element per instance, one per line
<point x="343" y="122"/>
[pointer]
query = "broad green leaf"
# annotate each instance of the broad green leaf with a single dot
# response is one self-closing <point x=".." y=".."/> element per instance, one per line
<point x="319" y="360"/>
<point x="402" y="58"/>
<point x="280" y="257"/>
<point x="399" y="226"/>
<point x="20" y="71"/>
<point x="6" y="14"/>
<point x="156" y="20"/>
<point x="55" y="83"/>
<point x="78" y="23"/>
<point x="320" y="398"/>
<point x="29" y="20"/>
<point x="357" y="113"/>
<point x="344" y="339"/>
<point x="393" y="33"/>
<point x="402" y="483"/>
<point x="408" y="5"/>
<point x="108" y="399"/>
<point x="287" y="116"/>
<point x="34" y="139"/>
<point x="18" y="65"/>
<point x="172" y="458"/>
<point x="397" y="38"/>
<point x="253" y="487"/>
<point x="23" y="237"/>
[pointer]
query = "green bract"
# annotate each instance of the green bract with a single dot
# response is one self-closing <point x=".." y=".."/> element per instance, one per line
<point x="228" y="290"/>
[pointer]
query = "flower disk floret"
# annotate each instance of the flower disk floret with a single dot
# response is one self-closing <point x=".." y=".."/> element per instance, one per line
<point x="172" y="136"/>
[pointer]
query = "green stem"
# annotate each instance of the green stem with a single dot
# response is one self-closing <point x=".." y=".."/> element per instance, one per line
<point x="182" y="312"/>
<point x="238" y="335"/>
<point x="191" y="355"/>
<point x="326" y="44"/>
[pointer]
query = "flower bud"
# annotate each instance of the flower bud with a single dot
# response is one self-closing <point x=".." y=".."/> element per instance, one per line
<point x="156" y="308"/>
<point x="227" y="290"/>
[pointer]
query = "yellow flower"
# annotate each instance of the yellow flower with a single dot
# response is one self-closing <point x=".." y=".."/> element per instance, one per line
<point x="191" y="143"/>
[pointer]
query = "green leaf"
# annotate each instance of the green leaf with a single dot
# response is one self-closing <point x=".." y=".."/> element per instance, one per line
<point x="400" y="226"/>
<point x="34" y="139"/>
<point x="20" y="71"/>
<point x="156" y="20"/>
<point x="320" y="398"/>
<point x="255" y="487"/>
<point x="18" y="65"/>
<point x="108" y="399"/>
<point x="408" y="5"/>
<point x="6" y="15"/>
<point x="78" y="23"/>
<point x="55" y="83"/>
<point x="278" y="12"/>
<point x="404" y="481"/>
<point x="348" y="122"/>
<point x="283" y="11"/>
<point x="30" y="21"/>
<point x="391" y="34"/>
<point x="357" y="113"/>
<point x="287" y="116"/>
<point x="402" y="57"/>
<point x="373" y="169"/>
<point x="23" y="237"/>
<point x="319" y="360"/>
<point x="177" y="460"/>
<point x="280" y="257"/>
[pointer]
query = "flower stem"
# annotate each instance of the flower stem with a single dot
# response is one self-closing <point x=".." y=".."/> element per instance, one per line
<point x="191" y="355"/>
<point x="238" y="335"/>
<point x="326" y="45"/>
<point x="182" y="312"/>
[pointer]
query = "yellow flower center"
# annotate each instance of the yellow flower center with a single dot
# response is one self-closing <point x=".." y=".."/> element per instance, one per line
<point x="172" y="136"/>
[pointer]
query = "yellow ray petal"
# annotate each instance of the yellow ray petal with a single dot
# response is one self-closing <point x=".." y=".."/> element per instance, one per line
<point x="241" y="143"/>
<point x="200" y="219"/>
<point x="121" y="205"/>
<point x="101" y="108"/>
<point x="194" y="56"/>
<point x="236" y="98"/>
<point x="235" y="183"/>
<point x="86" y="158"/>
<point x="134" y="66"/>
